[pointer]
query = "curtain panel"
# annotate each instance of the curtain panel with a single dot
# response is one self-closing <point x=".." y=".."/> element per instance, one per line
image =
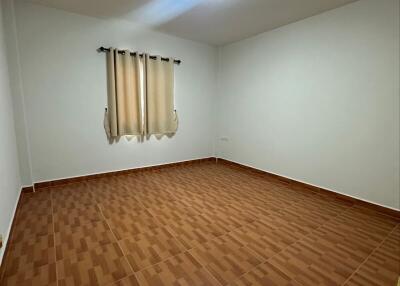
<point x="160" y="114"/>
<point x="140" y="96"/>
<point x="124" y="94"/>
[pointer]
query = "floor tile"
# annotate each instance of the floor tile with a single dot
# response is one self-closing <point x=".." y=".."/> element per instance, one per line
<point x="263" y="275"/>
<point x="32" y="226"/>
<point x="39" y="207"/>
<point x="76" y="217"/>
<point x="129" y="281"/>
<point x="195" y="231"/>
<point x="149" y="248"/>
<point x="382" y="268"/>
<point x="201" y="224"/>
<point x="268" y="237"/>
<point x="98" y="266"/>
<point x="114" y="212"/>
<point x="182" y="269"/>
<point x="29" y="254"/>
<point x="226" y="258"/>
<point x="127" y="225"/>
<point x="320" y="260"/>
<point x="44" y="275"/>
<point x="72" y="240"/>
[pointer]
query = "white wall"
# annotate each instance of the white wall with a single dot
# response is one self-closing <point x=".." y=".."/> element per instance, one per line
<point x="17" y="91"/>
<point x="318" y="101"/>
<point x="64" y="84"/>
<point x="10" y="184"/>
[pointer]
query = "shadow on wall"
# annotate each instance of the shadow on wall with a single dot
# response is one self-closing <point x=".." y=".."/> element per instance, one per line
<point x="139" y="139"/>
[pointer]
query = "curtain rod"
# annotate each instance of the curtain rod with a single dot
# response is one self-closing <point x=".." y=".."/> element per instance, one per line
<point x="103" y="49"/>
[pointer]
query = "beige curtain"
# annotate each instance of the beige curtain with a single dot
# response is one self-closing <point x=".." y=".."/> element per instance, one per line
<point x="160" y="116"/>
<point x="124" y="113"/>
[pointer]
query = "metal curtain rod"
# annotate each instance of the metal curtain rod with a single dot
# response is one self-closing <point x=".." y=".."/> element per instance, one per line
<point x="103" y="49"/>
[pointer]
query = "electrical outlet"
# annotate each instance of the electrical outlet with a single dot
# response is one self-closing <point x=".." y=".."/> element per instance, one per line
<point x="225" y="139"/>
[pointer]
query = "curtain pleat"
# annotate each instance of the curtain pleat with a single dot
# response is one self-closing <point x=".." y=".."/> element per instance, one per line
<point x="124" y="94"/>
<point x="161" y="117"/>
<point x="140" y="96"/>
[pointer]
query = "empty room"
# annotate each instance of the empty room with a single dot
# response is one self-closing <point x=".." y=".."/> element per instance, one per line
<point x="199" y="142"/>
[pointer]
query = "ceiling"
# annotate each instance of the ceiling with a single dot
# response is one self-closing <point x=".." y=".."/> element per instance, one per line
<point x="215" y="22"/>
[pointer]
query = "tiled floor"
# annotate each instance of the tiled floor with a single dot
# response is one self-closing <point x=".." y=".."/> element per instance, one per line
<point x="200" y="224"/>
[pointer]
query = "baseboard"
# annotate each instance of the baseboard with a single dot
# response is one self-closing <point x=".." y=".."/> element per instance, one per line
<point x="301" y="185"/>
<point x="7" y="239"/>
<point x="292" y="182"/>
<point x="45" y="184"/>
<point x="27" y="189"/>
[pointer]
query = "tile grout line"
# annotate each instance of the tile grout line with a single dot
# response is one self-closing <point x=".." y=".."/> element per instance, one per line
<point x="119" y="246"/>
<point x="185" y="250"/>
<point x="372" y="252"/>
<point x="262" y="260"/>
<point x="54" y="235"/>
<point x="230" y="231"/>
<point x="301" y="238"/>
<point x="212" y="239"/>
<point x="17" y="215"/>
<point x="206" y="270"/>
<point x="162" y="226"/>
<point x="169" y="257"/>
<point x="158" y="221"/>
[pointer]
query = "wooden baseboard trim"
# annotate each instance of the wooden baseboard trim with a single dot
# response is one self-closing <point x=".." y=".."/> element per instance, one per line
<point x="300" y="186"/>
<point x="41" y="185"/>
<point x="303" y="186"/>
<point x="26" y="190"/>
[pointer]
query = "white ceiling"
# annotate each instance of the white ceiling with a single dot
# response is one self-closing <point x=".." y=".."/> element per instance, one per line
<point x="216" y="22"/>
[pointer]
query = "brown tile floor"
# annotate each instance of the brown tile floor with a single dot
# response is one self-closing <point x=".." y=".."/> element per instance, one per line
<point x="200" y="224"/>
